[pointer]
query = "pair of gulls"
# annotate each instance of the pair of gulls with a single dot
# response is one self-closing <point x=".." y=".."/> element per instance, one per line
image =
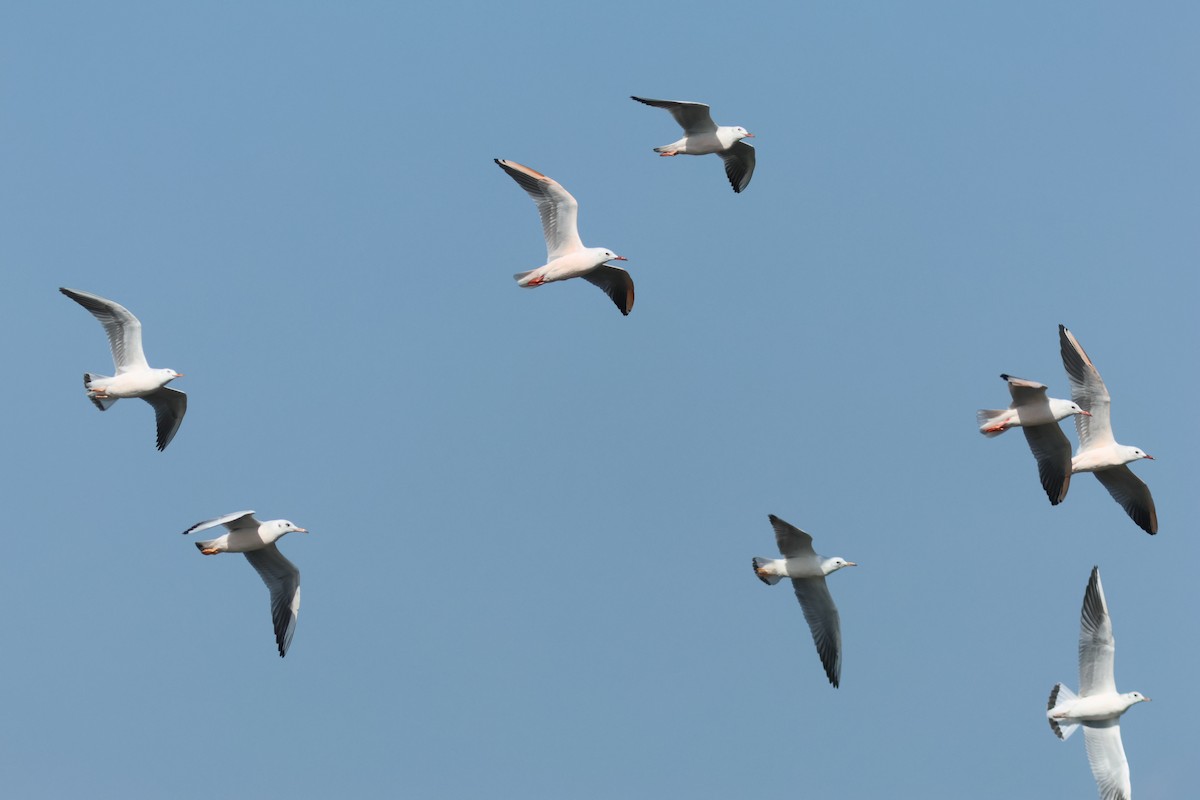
<point x="1098" y="706"/>
<point x="135" y="378"/>
<point x="566" y="256"/>
<point x="1038" y="415"/>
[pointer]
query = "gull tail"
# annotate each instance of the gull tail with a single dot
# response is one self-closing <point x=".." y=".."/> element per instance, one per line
<point x="101" y="403"/>
<point x="202" y="546"/>
<point x="770" y="580"/>
<point x="1061" y="697"/>
<point x="989" y="418"/>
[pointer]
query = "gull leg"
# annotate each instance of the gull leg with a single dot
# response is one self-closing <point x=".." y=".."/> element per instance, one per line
<point x="210" y="551"/>
<point x="669" y="153"/>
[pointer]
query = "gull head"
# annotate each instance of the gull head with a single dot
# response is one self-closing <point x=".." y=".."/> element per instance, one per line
<point x="1138" y="453"/>
<point x="284" y="526"/>
<point x="742" y="132"/>
<point x="836" y="563"/>
<point x="609" y="255"/>
<point x="169" y="375"/>
<point x="1136" y="697"/>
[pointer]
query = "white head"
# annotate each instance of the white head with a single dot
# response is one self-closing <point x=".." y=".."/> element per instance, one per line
<point x="1061" y="409"/>
<point x="1136" y="697"/>
<point x="169" y="375"/>
<point x="742" y="133"/>
<point x="282" y="526"/>
<point x="1134" y="453"/>
<point x="834" y="564"/>
<point x="604" y="254"/>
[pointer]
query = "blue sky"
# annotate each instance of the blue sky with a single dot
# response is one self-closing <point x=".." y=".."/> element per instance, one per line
<point x="532" y="519"/>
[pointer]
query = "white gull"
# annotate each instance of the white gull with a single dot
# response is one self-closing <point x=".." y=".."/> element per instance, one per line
<point x="135" y="377"/>
<point x="1037" y="415"/>
<point x="256" y="541"/>
<point x="807" y="571"/>
<point x="702" y="136"/>
<point x="1098" y="707"/>
<point x="1098" y="451"/>
<point x="566" y="257"/>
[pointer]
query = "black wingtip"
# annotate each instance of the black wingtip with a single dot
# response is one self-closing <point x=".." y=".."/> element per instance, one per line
<point x="1005" y="376"/>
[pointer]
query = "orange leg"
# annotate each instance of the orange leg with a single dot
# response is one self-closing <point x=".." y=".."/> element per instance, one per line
<point x="210" y="551"/>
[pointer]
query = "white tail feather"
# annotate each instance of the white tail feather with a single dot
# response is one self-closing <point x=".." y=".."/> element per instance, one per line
<point x="1061" y="700"/>
<point x="989" y="417"/>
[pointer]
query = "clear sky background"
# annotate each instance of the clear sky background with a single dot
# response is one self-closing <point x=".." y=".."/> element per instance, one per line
<point x="532" y="519"/>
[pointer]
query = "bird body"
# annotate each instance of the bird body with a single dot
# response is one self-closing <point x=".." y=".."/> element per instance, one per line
<point x="256" y="541"/>
<point x="566" y="256"/>
<point x="1099" y="453"/>
<point x="1098" y="706"/>
<point x="1038" y="416"/>
<point x="702" y="136"/>
<point x="135" y="377"/>
<point x="807" y="571"/>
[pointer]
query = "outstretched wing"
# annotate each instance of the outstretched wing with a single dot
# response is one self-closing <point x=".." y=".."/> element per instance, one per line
<point x="1052" y="450"/>
<point x="283" y="579"/>
<point x="558" y="209"/>
<point x="793" y="542"/>
<point x="238" y="519"/>
<point x="122" y="327"/>
<point x="1025" y="392"/>
<point x="1088" y="391"/>
<point x="1106" y="755"/>
<point x="169" y="407"/>
<point x="616" y="283"/>
<point x="694" y="118"/>
<point x="1096" y="645"/>
<point x="823" y="621"/>
<point x="1133" y="495"/>
<point x="739" y="165"/>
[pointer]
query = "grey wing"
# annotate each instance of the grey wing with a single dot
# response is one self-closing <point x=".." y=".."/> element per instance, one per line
<point x="283" y="579"/>
<point x="739" y="165"/>
<point x="616" y="283"/>
<point x="793" y="542"/>
<point x="238" y="519"/>
<point x="694" y="118"/>
<point x="1106" y="755"/>
<point x="1025" y="392"/>
<point x="823" y="621"/>
<point x="557" y="208"/>
<point x="1088" y="391"/>
<point x="1052" y="450"/>
<point x="122" y="327"/>
<point x="1133" y="494"/>
<point x="169" y="407"/>
<point x="1096" y="645"/>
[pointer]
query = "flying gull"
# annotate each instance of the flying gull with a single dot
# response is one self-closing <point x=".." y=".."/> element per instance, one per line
<point x="1098" y="451"/>
<point x="702" y="136"/>
<point x="1098" y="707"/>
<point x="566" y="257"/>
<point x="807" y="571"/>
<point x="1037" y="415"/>
<point x="134" y="377"/>
<point x="256" y="540"/>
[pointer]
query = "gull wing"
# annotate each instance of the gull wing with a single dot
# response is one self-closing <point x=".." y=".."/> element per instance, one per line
<point x="558" y="209"/>
<point x="1132" y="493"/>
<point x="283" y="579"/>
<point x="823" y="621"/>
<point x="694" y="118"/>
<point x="739" y="165"/>
<point x="238" y="519"/>
<point x="1025" y="392"/>
<point x="1106" y="755"/>
<point x="1096" y="645"/>
<point x="1052" y="450"/>
<point x="1088" y="391"/>
<point x="169" y="407"/>
<point x="616" y="283"/>
<point x="122" y="327"/>
<point x="793" y="542"/>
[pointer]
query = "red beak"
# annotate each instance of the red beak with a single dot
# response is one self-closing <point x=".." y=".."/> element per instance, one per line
<point x="749" y="135"/>
<point x="620" y="258"/>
